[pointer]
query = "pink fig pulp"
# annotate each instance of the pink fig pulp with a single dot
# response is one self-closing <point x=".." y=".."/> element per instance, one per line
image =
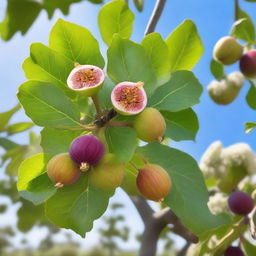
<point x="86" y="79"/>
<point x="129" y="98"/>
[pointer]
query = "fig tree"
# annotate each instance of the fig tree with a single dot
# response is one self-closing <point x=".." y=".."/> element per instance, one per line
<point x="240" y="203"/>
<point x="108" y="174"/>
<point x="153" y="182"/>
<point x="248" y="64"/>
<point x="86" y="150"/>
<point x="150" y="125"/>
<point x="86" y="79"/>
<point x="227" y="50"/>
<point x="129" y="98"/>
<point x="62" y="170"/>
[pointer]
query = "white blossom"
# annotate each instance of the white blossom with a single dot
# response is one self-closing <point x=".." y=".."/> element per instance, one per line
<point x="218" y="203"/>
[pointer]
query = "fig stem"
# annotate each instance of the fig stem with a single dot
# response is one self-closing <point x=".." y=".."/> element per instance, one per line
<point x="96" y="104"/>
<point x="236" y="10"/>
<point x="120" y="124"/>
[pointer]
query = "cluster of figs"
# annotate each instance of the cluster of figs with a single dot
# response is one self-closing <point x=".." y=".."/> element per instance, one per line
<point x="228" y="51"/>
<point x="88" y="153"/>
<point x="240" y="203"/>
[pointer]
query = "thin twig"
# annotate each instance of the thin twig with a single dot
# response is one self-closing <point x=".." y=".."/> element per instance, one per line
<point x="156" y="14"/>
<point x="236" y="9"/>
<point x="120" y="124"/>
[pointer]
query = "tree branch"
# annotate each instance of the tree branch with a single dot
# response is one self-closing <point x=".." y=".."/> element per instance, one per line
<point x="155" y="222"/>
<point x="156" y="14"/>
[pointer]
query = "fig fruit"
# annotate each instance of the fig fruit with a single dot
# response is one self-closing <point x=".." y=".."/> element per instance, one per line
<point x="86" y="79"/>
<point x="108" y="174"/>
<point x="233" y="251"/>
<point x="227" y="50"/>
<point x="129" y="98"/>
<point x="62" y="170"/>
<point x="248" y="64"/>
<point x="150" y="125"/>
<point x="153" y="182"/>
<point x="225" y="91"/>
<point x="240" y="203"/>
<point x="86" y="150"/>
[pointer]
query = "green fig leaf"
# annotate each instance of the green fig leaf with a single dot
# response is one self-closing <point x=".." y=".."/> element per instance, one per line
<point x="185" y="46"/>
<point x="57" y="141"/>
<point x="251" y="96"/>
<point x="115" y="18"/>
<point x="47" y="65"/>
<point x="47" y="105"/>
<point x="122" y="141"/>
<point x="33" y="182"/>
<point x="181" y="125"/>
<point x="76" y="43"/>
<point x="181" y="92"/>
<point x="128" y="61"/>
<point x="79" y="210"/>
<point x="158" y="52"/>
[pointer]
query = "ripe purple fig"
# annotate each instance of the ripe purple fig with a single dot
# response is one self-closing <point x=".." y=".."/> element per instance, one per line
<point x="153" y="182"/>
<point x="62" y="170"/>
<point x="248" y="64"/>
<point x="108" y="174"/>
<point x="129" y="98"/>
<point x="86" y="150"/>
<point x="227" y="50"/>
<point x="150" y="125"/>
<point x="240" y="203"/>
<point x="233" y="251"/>
<point x="86" y="79"/>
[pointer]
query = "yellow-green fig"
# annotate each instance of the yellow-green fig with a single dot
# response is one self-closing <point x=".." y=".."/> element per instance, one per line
<point x="108" y="174"/>
<point x="62" y="170"/>
<point x="150" y="125"/>
<point x="154" y="182"/>
<point x="227" y="50"/>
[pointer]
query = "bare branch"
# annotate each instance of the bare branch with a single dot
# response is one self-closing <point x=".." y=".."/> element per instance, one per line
<point x="156" y="14"/>
<point x="144" y="209"/>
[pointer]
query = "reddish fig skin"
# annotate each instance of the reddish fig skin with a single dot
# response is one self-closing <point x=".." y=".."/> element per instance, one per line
<point x="86" y="80"/>
<point x="150" y="125"/>
<point x="86" y="150"/>
<point x="240" y="203"/>
<point x="154" y="182"/>
<point x="248" y="64"/>
<point x="129" y="98"/>
<point x="233" y="251"/>
<point x="62" y="170"/>
<point x="227" y="50"/>
<point x="108" y="174"/>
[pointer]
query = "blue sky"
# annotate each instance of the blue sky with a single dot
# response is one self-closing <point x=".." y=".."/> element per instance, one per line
<point x="213" y="19"/>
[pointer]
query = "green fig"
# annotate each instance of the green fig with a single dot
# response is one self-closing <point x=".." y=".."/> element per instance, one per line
<point x="108" y="174"/>
<point x="227" y="50"/>
<point x="150" y="125"/>
<point x="62" y="170"/>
